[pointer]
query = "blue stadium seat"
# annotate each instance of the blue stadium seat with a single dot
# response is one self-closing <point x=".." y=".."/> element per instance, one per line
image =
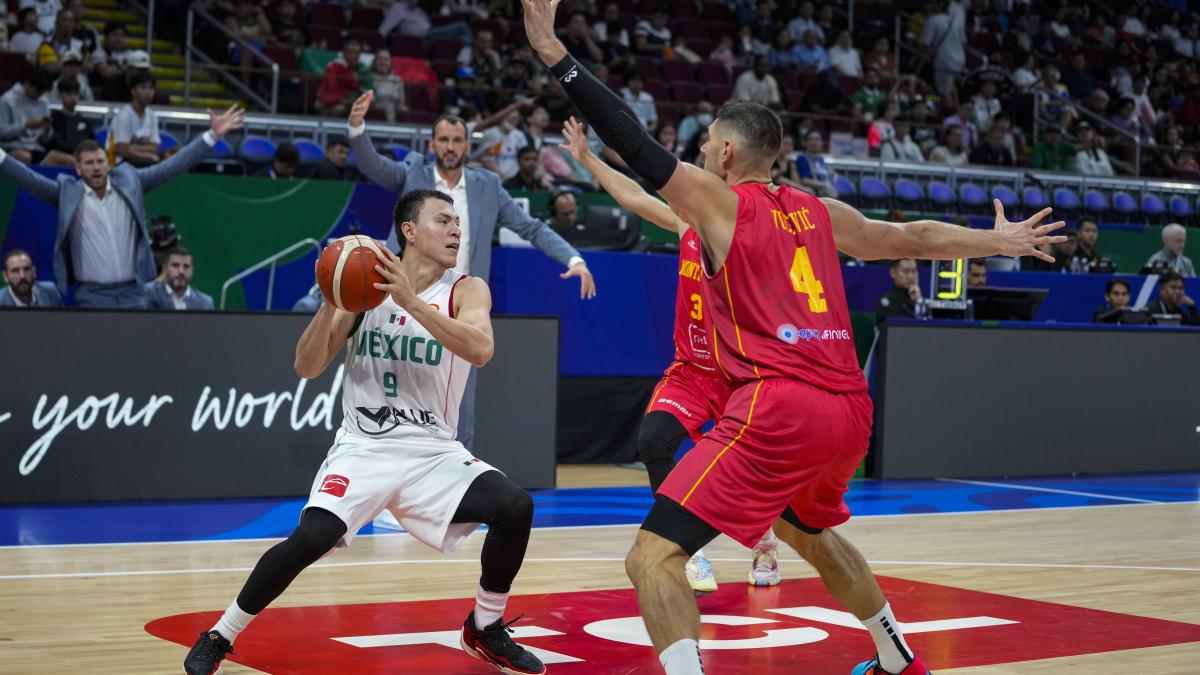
<point x="972" y="196"/>
<point x="221" y="150"/>
<point x="844" y="188"/>
<point x="1066" y="199"/>
<point x="908" y="192"/>
<point x="941" y="194"/>
<point x="310" y="153"/>
<point x="1034" y="198"/>
<point x="398" y="151"/>
<point x="1180" y="207"/>
<point x="257" y="150"/>
<point x="1095" y="201"/>
<point x="166" y="141"/>
<point x="102" y="136"/>
<point x="873" y="189"/>
<point x="1152" y="206"/>
<point x="1007" y="197"/>
<point x="1123" y="203"/>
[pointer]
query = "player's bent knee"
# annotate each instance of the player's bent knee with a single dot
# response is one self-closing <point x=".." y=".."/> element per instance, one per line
<point x="516" y="507"/>
<point x="318" y="532"/>
<point x="659" y="436"/>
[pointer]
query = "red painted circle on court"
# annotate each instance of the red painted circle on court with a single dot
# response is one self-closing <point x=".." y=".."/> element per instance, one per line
<point x="794" y="627"/>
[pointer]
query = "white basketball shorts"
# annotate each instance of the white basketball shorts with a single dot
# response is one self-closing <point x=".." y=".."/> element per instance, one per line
<point x="421" y="481"/>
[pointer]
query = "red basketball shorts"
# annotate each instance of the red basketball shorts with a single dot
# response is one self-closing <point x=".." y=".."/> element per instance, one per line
<point x="779" y="443"/>
<point x="690" y="393"/>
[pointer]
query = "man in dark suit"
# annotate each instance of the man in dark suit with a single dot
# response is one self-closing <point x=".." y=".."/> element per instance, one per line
<point x="101" y="241"/>
<point x="24" y="290"/>
<point x="480" y="201"/>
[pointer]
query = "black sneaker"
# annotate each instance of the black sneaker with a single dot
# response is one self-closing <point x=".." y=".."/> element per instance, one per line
<point x="207" y="654"/>
<point x="492" y="644"/>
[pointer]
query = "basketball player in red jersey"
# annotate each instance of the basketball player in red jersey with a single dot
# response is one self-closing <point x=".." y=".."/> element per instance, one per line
<point x="691" y="391"/>
<point x="798" y="422"/>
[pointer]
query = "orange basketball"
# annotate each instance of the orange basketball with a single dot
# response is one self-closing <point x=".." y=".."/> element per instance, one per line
<point x="346" y="273"/>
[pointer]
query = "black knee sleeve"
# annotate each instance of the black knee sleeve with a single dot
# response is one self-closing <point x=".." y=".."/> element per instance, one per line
<point x="658" y="440"/>
<point x="508" y="512"/>
<point x="318" y="532"/>
<point x="659" y="436"/>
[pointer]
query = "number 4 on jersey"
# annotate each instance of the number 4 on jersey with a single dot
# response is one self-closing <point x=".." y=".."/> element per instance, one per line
<point x="804" y="281"/>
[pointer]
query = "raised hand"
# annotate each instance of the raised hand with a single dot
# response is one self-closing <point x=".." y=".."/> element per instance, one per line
<point x="358" y="111"/>
<point x="539" y="28"/>
<point x="1022" y="238"/>
<point x="234" y="118"/>
<point x="576" y="137"/>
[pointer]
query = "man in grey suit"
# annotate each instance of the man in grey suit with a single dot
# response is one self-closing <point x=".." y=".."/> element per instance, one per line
<point x="101" y="242"/>
<point x="24" y="290"/>
<point x="481" y="202"/>
<point x="175" y="290"/>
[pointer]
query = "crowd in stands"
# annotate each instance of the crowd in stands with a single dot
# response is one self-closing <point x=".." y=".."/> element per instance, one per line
<point x="1060" y="86"/>
<point x="1067" y="86"/>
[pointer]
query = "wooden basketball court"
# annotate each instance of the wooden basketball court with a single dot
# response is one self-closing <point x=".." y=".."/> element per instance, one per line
<point x="85" y="608"/>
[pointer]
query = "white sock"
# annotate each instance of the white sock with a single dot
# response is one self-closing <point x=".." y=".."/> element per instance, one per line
<point x="769" y="536"/>
<point x="489" y="607"/>
<point x="682" y="658"/>
<point x="699" y="554"/>
<point x="233" y="622"/>
<point x="894" y="654"/>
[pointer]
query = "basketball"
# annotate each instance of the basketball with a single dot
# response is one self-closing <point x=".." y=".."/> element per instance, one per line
<point x="347" y="276"/>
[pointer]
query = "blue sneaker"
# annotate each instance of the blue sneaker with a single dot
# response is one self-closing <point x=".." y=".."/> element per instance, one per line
<point x="700" y="575"/>
<point x="872" y="667"/>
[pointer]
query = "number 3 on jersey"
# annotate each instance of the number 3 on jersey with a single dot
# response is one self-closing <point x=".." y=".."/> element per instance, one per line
<point x="697" y="307"/>
<point x="804" y="281"/>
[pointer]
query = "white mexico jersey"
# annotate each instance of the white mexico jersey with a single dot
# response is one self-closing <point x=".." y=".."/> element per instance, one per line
<point x="399" y="381"/>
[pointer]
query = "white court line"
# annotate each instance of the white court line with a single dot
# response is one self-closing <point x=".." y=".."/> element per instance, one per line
<point x="1018" y="509"/>
<point x="1017" y="486"/>
<point x="473" y="561"/>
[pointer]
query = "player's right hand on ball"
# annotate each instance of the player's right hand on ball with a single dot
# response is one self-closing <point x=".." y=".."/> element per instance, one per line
<point x="358" y="112"/>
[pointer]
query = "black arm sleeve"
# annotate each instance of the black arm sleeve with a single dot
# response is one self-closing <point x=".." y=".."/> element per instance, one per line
<point x="615" y="123"/>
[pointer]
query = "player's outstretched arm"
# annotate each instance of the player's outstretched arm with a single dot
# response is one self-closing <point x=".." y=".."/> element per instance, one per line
<point x="868" y="239"/>
<point x="694" y="190"/>
<point x="628" y="194"/>
<point x="322" y="340"/>
<point x="383" y="172"/>
<point x="468" y="334"/>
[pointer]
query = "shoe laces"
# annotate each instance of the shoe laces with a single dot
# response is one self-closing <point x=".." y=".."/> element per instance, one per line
<point x="499" y="633"/>
<point x="217" y="645"/>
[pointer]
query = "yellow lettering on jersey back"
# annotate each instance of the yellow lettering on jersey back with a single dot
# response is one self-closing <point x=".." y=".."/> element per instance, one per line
<point x="689" y="269"/>
<point x="792" y="222"/>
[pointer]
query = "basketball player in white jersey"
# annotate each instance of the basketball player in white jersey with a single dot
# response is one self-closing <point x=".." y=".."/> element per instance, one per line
<point x="407" y="363"/>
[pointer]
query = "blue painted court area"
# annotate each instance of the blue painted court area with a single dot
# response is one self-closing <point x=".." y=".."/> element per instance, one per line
<point x="199" y="520"/>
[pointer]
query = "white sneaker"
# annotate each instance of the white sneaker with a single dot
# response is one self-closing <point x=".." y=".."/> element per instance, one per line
<point x="700" y="575"/>
<point x="764" y="563"/>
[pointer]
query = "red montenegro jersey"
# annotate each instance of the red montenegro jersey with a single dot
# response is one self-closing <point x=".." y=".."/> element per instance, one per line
<point x="693" y="334"/>
<point x="777" y="304"/>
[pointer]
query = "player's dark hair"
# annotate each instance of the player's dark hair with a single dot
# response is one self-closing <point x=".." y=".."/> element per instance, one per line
<point x="287" y="153"/>
<point x="86" y="145"/>
<point x="1113" y="283"/>
<point x="68" y="85"/>
<point x="1168" y="277"/>
<point x="14" y="253"/>
<point x="178" y="250"/>
<point x="408" y="207"/>
<point x="452" y="119"/>
<point x="757" y="125"/>
<point x="141" y="77"/>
